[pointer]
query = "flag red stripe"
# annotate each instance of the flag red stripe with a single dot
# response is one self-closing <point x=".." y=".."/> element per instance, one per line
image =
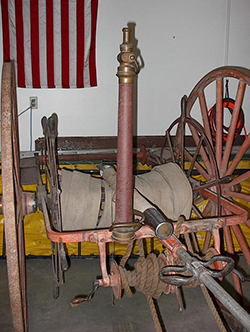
<point x="65" y="42"/>
<point x="19" y="29"/>
<point x="19" y="44"/>
<point x="92" y="55"/>
<point x="34" y="30"/>
<point x="80" y="43"/>
<point x="6" y="31"/>
<point x="50" y="43"/>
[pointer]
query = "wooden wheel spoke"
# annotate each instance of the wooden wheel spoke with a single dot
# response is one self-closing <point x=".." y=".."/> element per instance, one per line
<point x="238" y="179"/>
<point x="219" y="120"/>
<point x="198" y="200"/>
<point x="232" y="127"/>
<point x="204" y="113"/>
<point x="230" y="250"/>
<point x="207" y="209"/>
<point x="242" y="242"/>
<point x="237" y="195"/>
<point x="238" y="156"/>
<point x="207" y="241"/>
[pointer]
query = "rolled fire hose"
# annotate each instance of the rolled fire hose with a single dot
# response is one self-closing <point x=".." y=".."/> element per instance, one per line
<point x="162" y="226"/>
<point x="162" y="194"/>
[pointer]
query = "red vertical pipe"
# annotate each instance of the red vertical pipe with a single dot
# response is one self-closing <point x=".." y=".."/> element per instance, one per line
<point x="124" y="183"/>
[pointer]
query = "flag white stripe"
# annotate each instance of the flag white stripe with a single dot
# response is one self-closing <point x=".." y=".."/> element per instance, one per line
<point x="12" y="30"/>
<point x="42" y="48"/>
<point x="27" y="44"/>
<point x="57" y="43"/>
<point x="87" y="41"/>
<point x="42" y="43"/>
<point x="72" y="43"/>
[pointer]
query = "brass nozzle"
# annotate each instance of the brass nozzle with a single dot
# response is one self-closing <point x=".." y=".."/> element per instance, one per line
<point x="129" y="67"/>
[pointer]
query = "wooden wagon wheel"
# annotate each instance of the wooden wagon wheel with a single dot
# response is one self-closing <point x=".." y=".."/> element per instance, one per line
<point x="215" y="158"/>
<point x="12" y="199"/>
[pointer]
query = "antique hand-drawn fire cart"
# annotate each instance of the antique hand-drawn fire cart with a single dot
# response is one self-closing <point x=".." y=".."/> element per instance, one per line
<point x="191" y="200"/>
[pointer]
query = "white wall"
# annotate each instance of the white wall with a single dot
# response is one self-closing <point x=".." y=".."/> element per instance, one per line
<point x="179" y="42"/>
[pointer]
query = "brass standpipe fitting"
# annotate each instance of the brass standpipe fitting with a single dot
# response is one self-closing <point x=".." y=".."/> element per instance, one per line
<point x="129" y="66"/>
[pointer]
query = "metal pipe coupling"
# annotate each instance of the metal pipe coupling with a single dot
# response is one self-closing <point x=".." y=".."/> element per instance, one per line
<point x="162" y="226"/>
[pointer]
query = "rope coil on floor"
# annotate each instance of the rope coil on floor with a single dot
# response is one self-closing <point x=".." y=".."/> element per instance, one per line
<point x="144" y="278"/>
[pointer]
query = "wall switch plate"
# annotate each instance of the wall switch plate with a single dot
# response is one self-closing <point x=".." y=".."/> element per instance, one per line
<point x="34" y="102"/>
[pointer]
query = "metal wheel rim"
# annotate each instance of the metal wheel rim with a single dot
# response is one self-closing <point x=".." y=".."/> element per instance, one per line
<point x="178" y="151"/>
<point x="13" y="214"/>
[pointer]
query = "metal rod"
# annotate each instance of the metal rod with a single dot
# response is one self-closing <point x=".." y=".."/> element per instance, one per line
<point x="226" y="299"/>
<point x="202" y="150"/>
<point x="92" y="156"/>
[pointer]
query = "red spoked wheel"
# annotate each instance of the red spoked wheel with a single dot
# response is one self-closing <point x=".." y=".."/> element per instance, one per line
<point x="216" y="161"/>
<point x="12" y="199"/>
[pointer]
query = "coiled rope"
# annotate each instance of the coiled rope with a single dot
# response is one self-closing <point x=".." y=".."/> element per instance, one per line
<point x="144" y="278"/>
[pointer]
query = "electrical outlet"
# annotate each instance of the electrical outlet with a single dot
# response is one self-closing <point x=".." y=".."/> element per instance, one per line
<point x="34" y="102"/>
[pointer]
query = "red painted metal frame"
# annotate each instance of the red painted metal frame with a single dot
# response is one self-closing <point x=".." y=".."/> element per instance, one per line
<point x="104" y="236"/>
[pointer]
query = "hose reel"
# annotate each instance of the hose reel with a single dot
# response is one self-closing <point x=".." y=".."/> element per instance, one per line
<point x="89" y="203"/>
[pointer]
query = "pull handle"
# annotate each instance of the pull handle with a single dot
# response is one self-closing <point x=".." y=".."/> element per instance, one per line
<point x="53" y="123"/>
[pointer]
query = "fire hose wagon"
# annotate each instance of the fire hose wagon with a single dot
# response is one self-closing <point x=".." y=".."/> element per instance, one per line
<point x="191" y="189"/>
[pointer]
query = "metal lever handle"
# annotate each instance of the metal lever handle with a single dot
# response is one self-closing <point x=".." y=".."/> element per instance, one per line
<point x="195" y="266"/>
<point x="83" y="298"/>
<point x="136" y="66"/>
<point x="53" y="124"/>
<point x="209" y="184"/>
<point x="240" y="275"/>
<point x="44" y="123"/>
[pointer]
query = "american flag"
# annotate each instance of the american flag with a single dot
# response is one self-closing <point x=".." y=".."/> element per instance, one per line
<point x="53" y="42"/>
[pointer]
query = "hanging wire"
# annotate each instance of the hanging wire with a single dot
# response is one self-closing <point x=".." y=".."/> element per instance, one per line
<point x="31" y="123"/>
<point x="31" y="131"/>
<point x="227" y="32"/>
<point x="26" y="109"/>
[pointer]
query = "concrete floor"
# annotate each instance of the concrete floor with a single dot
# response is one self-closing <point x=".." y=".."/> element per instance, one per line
<point x="129" y="314"/>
